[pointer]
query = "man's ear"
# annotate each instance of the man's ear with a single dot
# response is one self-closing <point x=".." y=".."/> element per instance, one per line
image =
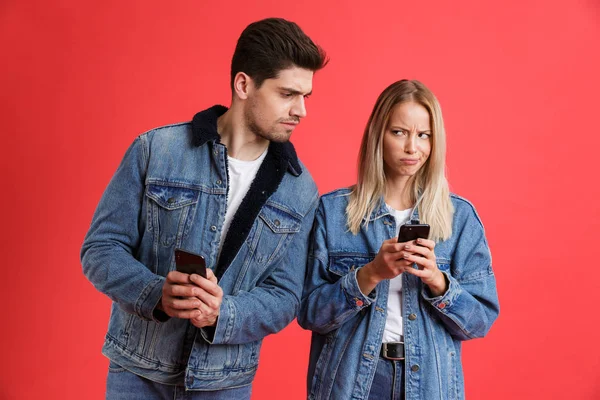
<point x="242" y="85"/>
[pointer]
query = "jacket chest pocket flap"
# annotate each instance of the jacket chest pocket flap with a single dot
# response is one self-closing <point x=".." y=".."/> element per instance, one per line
<point x="279" y="226"/>
<point x="279" y="220"/>
<point x="170" y="211"/>
<point x="172" y="197"/>
<point x="343" y="264"/>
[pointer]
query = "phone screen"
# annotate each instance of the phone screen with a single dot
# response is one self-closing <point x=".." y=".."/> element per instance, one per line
<point x="190" y="263"/>
<point x="409" y="232"/>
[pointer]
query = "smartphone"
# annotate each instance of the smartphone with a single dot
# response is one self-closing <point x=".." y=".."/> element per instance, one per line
<point x="190" y="263"/>
<point x="409" y="232"/>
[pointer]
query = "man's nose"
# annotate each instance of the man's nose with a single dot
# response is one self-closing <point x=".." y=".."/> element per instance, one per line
<point x="299" y="108"/>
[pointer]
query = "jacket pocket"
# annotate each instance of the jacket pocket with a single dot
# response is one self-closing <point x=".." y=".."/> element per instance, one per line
<point x="170" y="211"/>
<point x="267" y="242"/>
<point x="343" y="264"/>
<point x="276" y="229"/>
<point x="280" y="220"/>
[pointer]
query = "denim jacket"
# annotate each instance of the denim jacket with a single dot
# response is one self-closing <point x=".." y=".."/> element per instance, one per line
<point x="170" y="191"/>
<point x="348" y="326"/>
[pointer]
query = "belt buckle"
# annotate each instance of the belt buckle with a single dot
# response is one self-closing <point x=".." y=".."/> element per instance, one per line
<point x="385" y="351"/>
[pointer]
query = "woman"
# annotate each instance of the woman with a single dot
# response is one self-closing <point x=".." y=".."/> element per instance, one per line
<point x="388" y="318"/>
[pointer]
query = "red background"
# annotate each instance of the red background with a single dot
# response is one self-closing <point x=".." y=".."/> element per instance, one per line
<point x="518" y="83"/>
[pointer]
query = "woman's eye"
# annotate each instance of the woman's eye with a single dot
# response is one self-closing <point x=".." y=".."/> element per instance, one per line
<point x="424" y="135"/>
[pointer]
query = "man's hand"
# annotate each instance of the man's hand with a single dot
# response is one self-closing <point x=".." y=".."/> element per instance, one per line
<point x="179" y="296"/>
<point x="211" y="296"/>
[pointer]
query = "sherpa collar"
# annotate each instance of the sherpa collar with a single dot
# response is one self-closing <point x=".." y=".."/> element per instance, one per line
<point x="280" y="158"/>
<point x="204" y="129"/>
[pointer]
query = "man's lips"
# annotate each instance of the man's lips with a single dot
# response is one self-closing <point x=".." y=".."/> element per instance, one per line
<point x="290" y="125"/>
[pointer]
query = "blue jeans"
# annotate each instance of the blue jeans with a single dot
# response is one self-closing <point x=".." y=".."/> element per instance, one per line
<point x="388" y="383"/>
<point x="124" y="385"/>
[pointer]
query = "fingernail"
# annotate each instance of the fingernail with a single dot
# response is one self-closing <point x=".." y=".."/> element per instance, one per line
<point x="407" y="247"/>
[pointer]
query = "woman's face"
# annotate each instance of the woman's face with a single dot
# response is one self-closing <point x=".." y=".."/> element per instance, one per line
<point x="406" y="140"/>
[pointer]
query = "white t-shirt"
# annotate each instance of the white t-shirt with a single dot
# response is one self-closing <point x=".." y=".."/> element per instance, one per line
<point x="393" y="323"/>
<point x="241" y="175"/>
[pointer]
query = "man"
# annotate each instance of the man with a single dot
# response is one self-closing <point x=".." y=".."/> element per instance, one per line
<point x="227" y="186"/>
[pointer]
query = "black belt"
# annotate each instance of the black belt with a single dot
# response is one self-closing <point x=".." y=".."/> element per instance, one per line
<point x="393" y="350"/>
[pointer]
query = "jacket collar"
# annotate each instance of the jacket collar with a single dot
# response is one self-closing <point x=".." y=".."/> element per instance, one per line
<point x="204" y="129"/>
<point x="382" y="210"/>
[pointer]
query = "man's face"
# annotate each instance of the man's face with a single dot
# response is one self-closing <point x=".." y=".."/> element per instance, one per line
<point x="275" y="109"/>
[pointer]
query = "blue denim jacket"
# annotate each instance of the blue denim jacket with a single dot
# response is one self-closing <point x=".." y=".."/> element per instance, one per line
<point x="348" y="326"/>
<point x="170" y="191"/>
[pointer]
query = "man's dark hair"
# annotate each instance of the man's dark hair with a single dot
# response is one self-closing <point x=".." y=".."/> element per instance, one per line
<point x="270" y="45"/>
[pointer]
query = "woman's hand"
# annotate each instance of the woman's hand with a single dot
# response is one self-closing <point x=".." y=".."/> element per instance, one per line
<point x="421" y="253"/>
<point x="388" y="264"/>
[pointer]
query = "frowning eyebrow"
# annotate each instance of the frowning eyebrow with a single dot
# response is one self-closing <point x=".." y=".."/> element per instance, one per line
<point x="294" y="91"/>
<point x="398" y="128"/>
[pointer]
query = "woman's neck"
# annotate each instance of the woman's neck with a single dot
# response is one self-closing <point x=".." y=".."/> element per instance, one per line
<point x="398" y="193"/>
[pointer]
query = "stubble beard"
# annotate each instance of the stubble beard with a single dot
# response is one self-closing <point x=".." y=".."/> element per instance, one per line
<point x="271" y="134"/>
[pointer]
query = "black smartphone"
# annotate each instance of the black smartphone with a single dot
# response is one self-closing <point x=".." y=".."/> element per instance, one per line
<point x="190" y="263"/>
<point x="409" y="232"/>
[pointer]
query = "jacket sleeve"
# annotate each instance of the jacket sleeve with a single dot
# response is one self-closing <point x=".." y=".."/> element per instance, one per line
<point x="107" y="252"/>
<point x="328" y="300"/>
<point x="249" y="316"/>
<point x="470" y="305"/>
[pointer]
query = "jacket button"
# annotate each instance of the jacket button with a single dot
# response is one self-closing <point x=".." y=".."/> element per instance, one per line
<point x="276" y="222"/>
<point x="171" y="200"/>
<point x="441" y="306"/>
<point x="219" y="182"/>
<point x="213" y="228"/>
<point x="414" y="368"/>
<point x="412" y="317"/>
<point x="359" y="303"/>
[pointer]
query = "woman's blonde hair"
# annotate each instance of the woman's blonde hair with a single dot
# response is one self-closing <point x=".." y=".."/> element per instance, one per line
<point x="428" y="186"/>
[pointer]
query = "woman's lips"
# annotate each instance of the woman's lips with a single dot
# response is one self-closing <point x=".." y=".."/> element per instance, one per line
<point x="409" y="161"/>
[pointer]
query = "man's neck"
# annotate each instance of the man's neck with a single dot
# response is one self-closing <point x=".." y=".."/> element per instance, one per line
<point x="240" y="142"/>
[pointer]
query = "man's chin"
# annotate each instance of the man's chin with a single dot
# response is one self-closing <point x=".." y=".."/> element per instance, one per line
<point x="282" y="139"/>
<point x="279" y="137"/>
